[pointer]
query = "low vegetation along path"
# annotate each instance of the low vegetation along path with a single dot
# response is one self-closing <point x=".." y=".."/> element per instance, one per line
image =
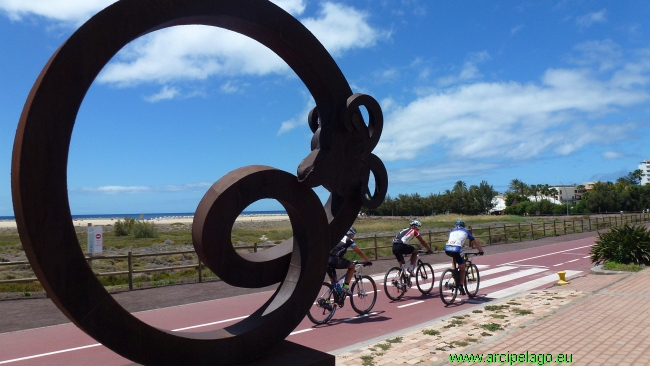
<point x="502" y="274"/>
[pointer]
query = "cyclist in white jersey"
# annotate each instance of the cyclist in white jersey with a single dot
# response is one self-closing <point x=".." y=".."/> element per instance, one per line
<point x="454" y="248"/>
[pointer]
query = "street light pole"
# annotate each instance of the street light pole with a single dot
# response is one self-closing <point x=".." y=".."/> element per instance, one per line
<point x="567" y="201"/>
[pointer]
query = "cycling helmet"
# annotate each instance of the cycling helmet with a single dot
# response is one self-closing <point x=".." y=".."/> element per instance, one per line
<point x="352" y="230"/>
<point x="416" y="223"/>
<point x="460" y="223"/>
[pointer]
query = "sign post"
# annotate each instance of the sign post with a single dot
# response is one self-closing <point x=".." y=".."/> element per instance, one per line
<point x="95" y="240"/>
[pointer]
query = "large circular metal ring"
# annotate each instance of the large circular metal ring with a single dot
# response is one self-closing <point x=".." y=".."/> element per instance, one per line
<point x="40" y="156"/>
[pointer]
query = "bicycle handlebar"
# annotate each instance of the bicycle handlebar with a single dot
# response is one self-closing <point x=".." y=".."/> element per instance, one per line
<point x="472" y="253"/>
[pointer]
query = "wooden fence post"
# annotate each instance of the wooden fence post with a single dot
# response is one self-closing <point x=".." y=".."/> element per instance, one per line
<point x="254" y="247"/>
<point x="554" y="230"/>
<point x="130" y="262"/>
<point x="532" y="233"/>
<point x="505" y="233"/>
<point x="519" y="230"/>
<point x="200" y="271"/>
<point x="564" y="222"/>
<point x="376" y="244"/>
<point x="544" y="228"/>
<point x="489" y="236"/>
<point x="590" y="223"/>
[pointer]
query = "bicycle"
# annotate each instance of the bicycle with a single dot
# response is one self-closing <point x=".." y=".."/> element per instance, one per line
<point x="364" y="295"/>
<point x="397" y="280"/>
<point x="450" y="284"/>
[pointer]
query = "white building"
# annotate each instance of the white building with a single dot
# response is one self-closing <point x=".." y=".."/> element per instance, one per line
<point x="645" y="168"/>
<point x="567" y="193"/>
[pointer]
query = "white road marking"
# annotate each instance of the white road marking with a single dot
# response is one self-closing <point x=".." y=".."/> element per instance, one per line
<point x="529" y="285"/>
<point x="359" y="317"/>
<point x="559" y="264"/>
<point x="436" y="269"/>
<point x="208" y="324"/>
<point x="545" y="255"/>
<point x="301" y="331"/>
<point x="99" y="344"/>
<point x="529" y="265"/>
<point x="410" y="304"/>
<point x="509" y="277"/>
<point x="495" y="270"/>
<point x="49" y="353"/>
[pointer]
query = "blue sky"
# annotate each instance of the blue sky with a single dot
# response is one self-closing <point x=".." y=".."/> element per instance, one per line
<point x="540" y="91"/>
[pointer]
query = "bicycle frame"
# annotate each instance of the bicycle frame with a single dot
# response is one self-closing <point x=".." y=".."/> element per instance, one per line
<point x="357" y="275"/>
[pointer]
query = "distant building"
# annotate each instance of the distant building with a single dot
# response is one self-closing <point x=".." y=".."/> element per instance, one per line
<point x="567" y="193"/>
<point x="498" y="205"/>
<point x="589" y="185"/>
<point x="645" y="168"/>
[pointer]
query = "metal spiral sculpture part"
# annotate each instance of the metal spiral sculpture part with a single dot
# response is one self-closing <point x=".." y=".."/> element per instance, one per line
<point x="340" y="160"/>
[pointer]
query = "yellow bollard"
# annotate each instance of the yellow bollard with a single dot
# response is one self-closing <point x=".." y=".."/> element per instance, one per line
<point x="562" y="281"/>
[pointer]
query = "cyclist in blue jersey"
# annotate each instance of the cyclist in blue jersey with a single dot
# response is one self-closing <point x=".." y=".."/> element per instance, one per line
<point x="401" y="247"/>
<point x="454" y="248"/>
<point x="337" y="261"/>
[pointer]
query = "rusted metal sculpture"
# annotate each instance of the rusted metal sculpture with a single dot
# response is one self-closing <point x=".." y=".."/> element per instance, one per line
<point x="340" y="160"/>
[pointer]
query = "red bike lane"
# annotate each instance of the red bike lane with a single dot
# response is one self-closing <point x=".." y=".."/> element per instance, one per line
<point x="501" y="275"/>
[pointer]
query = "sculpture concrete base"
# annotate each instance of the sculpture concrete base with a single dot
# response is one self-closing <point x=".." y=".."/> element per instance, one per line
<point x="289" y="353"/>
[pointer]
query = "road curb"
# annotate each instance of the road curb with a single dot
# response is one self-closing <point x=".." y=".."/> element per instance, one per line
<point x="598" y="270"/>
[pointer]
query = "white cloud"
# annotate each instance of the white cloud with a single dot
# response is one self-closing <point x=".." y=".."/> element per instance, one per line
<point x="514" y="30"/>
<point x="612" y="155"/>
<point x="191" y="52"/>
<point x="469" y="71"/>
<point x="293" y="7"/>
<point x="231" y="87"/>
<point x="438" y="172"/>
<point x="340" y="28"/>
<point x="67" y="11"/>
<point x="165" y="93"/>
<point x="587" y="20"/>
<point x="78" y="11"/>
<point x="562" y="113"/>
<point x="114" y="190"/>
<point x="606" y="54"/>
<point x="199" y="52"/>
<point x="299" y="120"/>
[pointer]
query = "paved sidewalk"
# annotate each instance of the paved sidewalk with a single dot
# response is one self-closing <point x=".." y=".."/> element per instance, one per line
<point x="595" y="320"/>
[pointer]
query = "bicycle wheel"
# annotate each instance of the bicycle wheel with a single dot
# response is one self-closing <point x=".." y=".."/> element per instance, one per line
<point x="473" y="280"/>
<point x="448" y="289"/>
<point x="364" y="295"/>
<point x="323" y="308"/>
<point x="424" y="278"/>
<point x="394" y="286"/>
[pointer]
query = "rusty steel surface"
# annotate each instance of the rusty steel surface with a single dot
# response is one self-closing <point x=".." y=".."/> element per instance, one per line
<point x="340" y="160"/>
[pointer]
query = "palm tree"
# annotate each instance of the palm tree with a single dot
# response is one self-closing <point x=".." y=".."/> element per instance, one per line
<point x="518" y="187"/>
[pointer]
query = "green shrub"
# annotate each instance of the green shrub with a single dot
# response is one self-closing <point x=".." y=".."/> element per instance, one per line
<point x="123" y="228"/>
<point x="626" y="245"/>
<point x="143" y="229"/>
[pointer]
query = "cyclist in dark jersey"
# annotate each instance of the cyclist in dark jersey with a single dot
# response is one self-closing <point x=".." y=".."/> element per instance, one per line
<point x="401" y="247"/>
<point x="337" y="261"/>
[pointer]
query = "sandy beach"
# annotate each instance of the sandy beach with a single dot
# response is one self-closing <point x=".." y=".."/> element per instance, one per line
<point x="158" y="221"/>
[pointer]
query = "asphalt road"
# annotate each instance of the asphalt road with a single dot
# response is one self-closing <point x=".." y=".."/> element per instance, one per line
<point x="505" y="269"/>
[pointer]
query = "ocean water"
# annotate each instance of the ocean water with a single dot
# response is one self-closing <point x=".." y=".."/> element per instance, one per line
<point x="148" y="216"/>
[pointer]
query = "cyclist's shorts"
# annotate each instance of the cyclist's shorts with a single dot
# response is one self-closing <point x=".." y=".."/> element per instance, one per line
<point x="338" y="263"/>
<point x="455" y="252"/>
<point x="400" y="248"/>
<point x="335" y="263"/>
